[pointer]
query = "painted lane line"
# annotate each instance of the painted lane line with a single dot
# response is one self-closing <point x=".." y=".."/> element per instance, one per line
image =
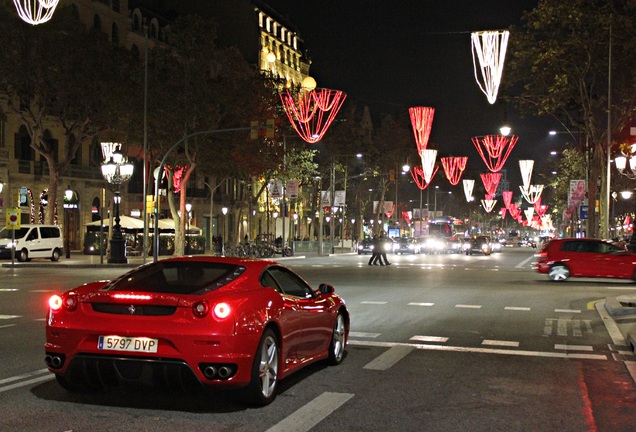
<point x="8" y="289"/>
<point x="573" y="347"/>
<point x="46" y="376"/>
<point x="23" y="376"/>
<point x="42" y="291"/>
<point x="420" y="304"/>
<point x="26" y="383"/>
<point x="312" y="413"/>
<point x="466" y="306"/>
<point x="490" y="342"/>
<point x="373" y="302"/>
<point x="481" y="350"/>
<point x="524" y="262"/>
<point x="429" y="339"/>
<point x="9" y="316"/>
<point x="389" y="358"/>
<point x="516" y="308"/>
<point x="363" y="335"/>
<point x="7" y="325"/>
<point x="572" y="311"/>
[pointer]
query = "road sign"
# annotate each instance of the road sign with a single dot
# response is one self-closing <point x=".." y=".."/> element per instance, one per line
<point x="13" y="218"/>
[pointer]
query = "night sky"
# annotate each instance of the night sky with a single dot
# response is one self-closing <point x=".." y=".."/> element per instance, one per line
<point x="390" y="55"/>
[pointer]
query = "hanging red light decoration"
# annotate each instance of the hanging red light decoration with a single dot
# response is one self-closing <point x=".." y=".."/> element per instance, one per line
<point x="454" y="168"/>
<point x="502" y="212"/>
<point x="514" y="211"/>
<point x="421" y="120"/>
<point x="507" y="198"/>
<point x="313" y="111"/>
<point x="177" y="173"/>
<point x="418" y="177"/>
<point x="491" y="181"/>
<point x="495" y="149"/>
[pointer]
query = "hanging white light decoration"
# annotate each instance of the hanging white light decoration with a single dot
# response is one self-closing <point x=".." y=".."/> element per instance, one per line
<point x="468" y="189"/>
<point x="529" y="212"/>
<point x="488" y="203"/>
<point x="490" y="47"/>
<point x="526" y="171"/>
<point x="428" y="163"/>
<point x="35" y="11"/>
<point x="532" y="193"/>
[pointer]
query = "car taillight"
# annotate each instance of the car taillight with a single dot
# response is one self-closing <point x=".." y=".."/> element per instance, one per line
<point x="57" y="302"/>
<point x="541" y="254"/>
<point x="200" y="309"/>
<point x="222" y="310"/>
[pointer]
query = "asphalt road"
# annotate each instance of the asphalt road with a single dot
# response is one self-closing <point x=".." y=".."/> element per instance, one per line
<point x="438" y="343"/>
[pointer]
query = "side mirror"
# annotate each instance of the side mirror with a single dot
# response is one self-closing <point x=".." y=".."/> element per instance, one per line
<point x="326" y="289"/>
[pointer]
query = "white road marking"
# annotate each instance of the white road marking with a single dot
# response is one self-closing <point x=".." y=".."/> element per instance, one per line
<point x="47" y="376"/>
<point x="9" y="316"/>
<point x="7" y="325"/>
<point x="573" y="347"/>
<point x="363" y="335"/>
<point x="390" y="357"/>
<point x="8" y="289"/>
<point x="465" y="306"/>
<point x="373" y="302"/>
<point x="312" y="413"/>
<point x="429" y="339"/>
<point x="421" y="304"/>
<point x="572" y="311"/>
<point x="490" y="342"/>
<point x="481" y="350"/>
<point x="42" y="291"/>
<point x="524" y="262"/>
<point x="516" y="308"/>
<point x="610" y="325"/>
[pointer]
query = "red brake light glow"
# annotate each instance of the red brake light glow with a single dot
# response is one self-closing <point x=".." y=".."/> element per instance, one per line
<point x="132" y="297"/>
<point x="222" y="310"/>
<point x="55" y="302"/>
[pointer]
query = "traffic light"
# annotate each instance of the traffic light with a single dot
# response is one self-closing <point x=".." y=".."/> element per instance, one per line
<point x="254" y="129"/>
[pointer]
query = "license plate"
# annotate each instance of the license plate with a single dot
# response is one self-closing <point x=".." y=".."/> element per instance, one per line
<point x="131" y="344"/>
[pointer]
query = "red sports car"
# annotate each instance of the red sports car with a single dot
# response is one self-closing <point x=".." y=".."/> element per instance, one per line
<point x="220" y="322"/>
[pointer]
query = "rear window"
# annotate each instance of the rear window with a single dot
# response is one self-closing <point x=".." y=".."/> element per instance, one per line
<point x="178" y="277"/>
<point x="50" y="232"/>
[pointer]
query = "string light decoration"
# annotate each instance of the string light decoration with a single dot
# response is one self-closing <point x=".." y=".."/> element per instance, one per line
<point x="418" y="177"/>
<point x="507" y="198"/>
<point x="490" y="50"/>
<point x="495" y="149"/>
<point x="488" y="203"/>
<point x="312" y="111"/>
<point x="468" y="189"/>
<point x="532" y="193"/>
<point x="525" y="166"/>
<point x="428" y="163"/>
<point x="421" y="121"/>
<point x="35" y="12"/>
<point x="454" y="168"/>
<point x="529" y="212"/>
<point x="491" y="181"/>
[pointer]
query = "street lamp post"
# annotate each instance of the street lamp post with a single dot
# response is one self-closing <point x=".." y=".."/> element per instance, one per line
<point x="116" y="170"/>
<point x="68" y="195"/>
<point x="188" y="208"/>
<point x="621" y="165"/>
<point x="224" y="238"/>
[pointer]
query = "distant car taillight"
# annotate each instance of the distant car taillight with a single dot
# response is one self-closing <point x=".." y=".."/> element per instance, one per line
<point x="57" y="302"/>
<point x="200" y="309"/>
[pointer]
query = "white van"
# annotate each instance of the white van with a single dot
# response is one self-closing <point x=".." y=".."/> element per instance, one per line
<point x="32" y="241"/>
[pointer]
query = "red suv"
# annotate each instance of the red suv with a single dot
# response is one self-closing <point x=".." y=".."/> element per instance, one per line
<point x="585" y="257"/>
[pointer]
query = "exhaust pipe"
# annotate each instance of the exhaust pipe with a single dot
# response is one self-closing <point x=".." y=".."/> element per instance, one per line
<point x="224" y="372"/>
<point x="209" y="372"/>
<point x="53" y="361"/>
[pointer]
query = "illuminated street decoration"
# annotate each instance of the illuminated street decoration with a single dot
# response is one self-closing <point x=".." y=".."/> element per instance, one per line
<point x="421" y="121"/>
<point x="312" y="111"/>
<point x="514" y="210"/>
<point x="526" y="171"/>
<point x="495" y="149"/>
<point x="532" y="193"/>
<point x="490" y="48"/>
<point x="468" y="189"/>
<point x="35" y="11"/>
<point x="507" y="198"/>
<point x="454" y="168"/>
<point x="529" y="212"/>
<point x="491" y="181"/>
<point x="428" y="163"/>
<point x="488" y="203"/>
<point x="418" y="177"/>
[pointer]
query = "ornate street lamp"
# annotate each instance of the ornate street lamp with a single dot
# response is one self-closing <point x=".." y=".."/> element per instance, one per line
<point x="117" y="170"/>
<point x="621" y="165"/>
<point x="68" y="196"/>
<point x="188" y="208"/>
<point x="224" y="239"/>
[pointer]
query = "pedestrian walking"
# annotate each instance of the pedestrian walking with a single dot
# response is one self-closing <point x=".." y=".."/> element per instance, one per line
<point x="375" y="242"/>
<point x="381" y="256"/>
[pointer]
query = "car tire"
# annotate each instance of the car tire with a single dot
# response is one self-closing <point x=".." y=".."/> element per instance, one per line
<point x="338" y="341"/>
<point x="56" y="255"/>
<point x="558" y="273"/>
<point x="23" y="255"/>
<point x="264" y="381"/>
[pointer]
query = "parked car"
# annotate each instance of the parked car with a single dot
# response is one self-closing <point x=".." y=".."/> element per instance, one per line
<point x="365" y="246"/>
<point x="561" y="259"/>
<point x="32" y="241"/>
<point x="211" y="321"/>
<point x="479" y="244"/>
<point x="404" y="245"/>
